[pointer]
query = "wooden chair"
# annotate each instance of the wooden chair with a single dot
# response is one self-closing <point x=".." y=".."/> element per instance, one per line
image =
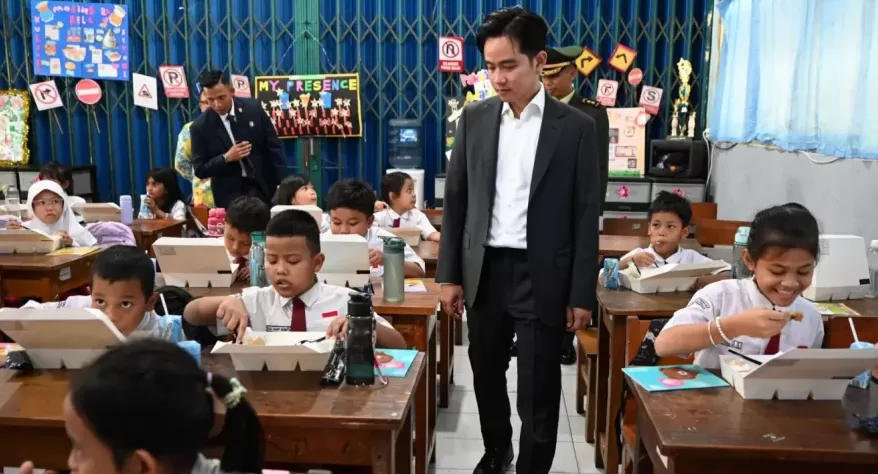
<point x="701" y="210"/>
<point x="711" y="232"/>
<point x="628" y="227"/>
<point x="586" y="377"/>
<point x="631" y="453"/>
<point x="200" y="213"/>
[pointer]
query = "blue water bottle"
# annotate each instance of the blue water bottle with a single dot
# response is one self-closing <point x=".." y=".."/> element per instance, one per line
<point x="611" y="273"/>
<point x="739" y="268"/>
<point x="258" y="276"/>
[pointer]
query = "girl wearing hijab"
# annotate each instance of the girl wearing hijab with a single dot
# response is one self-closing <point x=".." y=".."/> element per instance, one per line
<point x="51" y="214"/>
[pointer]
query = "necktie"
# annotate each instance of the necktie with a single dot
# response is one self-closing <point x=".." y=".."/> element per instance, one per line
<point x="241" y="260"/>
<point x="395" y="223"/>
<point x="773" y="345"/>
<point x="298" y="322"/>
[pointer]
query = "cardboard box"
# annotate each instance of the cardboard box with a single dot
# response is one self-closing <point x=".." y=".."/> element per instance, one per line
<point x="347" y="260"/>
<point x="668" y="278"/>
<point x="315" y="212"/>
<point x="281" y="351"/>
<point x="60" y="338"/>
<point x="798" y="374"/>
<point x="27" y="241"/>
<point x="198" y="263"/>
<point x="98" y="211"/>
<point x="411" y="235"/>
<point x="842" y="272"/>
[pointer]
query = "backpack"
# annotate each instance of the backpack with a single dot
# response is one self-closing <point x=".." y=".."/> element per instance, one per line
<point x="177" y="298"/>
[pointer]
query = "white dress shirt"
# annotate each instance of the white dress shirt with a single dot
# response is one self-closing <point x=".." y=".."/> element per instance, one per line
<point x="408" y="219"/>
<point x="516" y="152"/>
<point x="227" y="118"/>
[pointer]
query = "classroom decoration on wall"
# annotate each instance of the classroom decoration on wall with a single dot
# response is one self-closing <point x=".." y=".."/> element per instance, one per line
<point x="635" y="77"/>
<point x="680" y="120"/>
<point x="46" y="95"/>
<point x="241" y="85"/>
<point x="174" y="82"/>
<point x="622" y="57"/>
<point x="627" y="142"/>
<point x="87" y="40"/>
<point x="14" y="108"/>
<point x="650" y="99"/>
<point x="481" y="83"/>
<point x="145" y="91"/>
<point x="453" y="109"/>
<point x="450" y="54"/>
<point x="315" y="105"/>
<point x="608" y="89"/>
<point x="587" y="61"/>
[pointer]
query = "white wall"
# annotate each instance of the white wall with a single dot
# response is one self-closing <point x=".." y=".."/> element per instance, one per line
<point x="843" y="195"/>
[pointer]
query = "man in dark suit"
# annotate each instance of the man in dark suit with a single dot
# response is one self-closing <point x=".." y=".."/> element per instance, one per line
<point x="519" y="238"/>
<point x="234" y="144"/>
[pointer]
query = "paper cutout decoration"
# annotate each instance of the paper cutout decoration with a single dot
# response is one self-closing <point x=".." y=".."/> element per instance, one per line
<point x="88" y="92"/>
<point x="315" y="105"/>
<point x="607" y="91"/>
<point x="14" y="111"/>
<point x="650" y="99"/>
<point x="145" y="91"/>
<point x="622" y="57"/>
<point x="635" y="77"/>
<point x="241" y="85"/>
<point x="174" y="82"/>
<point x="587" y="61"/>
<point x="450" y="54"/>
<point x="46" y="95"/>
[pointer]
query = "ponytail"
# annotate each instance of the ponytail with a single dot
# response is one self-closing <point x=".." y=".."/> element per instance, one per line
<point x="243" y="441"/>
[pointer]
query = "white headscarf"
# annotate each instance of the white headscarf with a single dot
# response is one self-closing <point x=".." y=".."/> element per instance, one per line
<point x="67" y="222"/>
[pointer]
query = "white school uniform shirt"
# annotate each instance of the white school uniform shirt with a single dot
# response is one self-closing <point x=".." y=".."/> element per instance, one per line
<point x="729" y="297"/>
<point x="178" y="212"/>
<point x="324" y="224"/>
<point x="67" y="223"/>
<point x="271" y="312"/>
<point x="374" y="241"/>
<point x="409" y="219"/>
<point x="681" y="256"/>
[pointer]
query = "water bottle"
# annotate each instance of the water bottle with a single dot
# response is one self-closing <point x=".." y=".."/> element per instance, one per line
<point x="864" y="379"/>
<point x="873" y="269"/>
<point x="257" y="260"/>
<point x="360" y="341"/>
<point x="394" y="270"/>
<point x="145" y="211"/>
<point x="611" y="273"/>
<point x="13" y="202"/>
<point x="739" y="268"/>
<point x="126" y="209"/>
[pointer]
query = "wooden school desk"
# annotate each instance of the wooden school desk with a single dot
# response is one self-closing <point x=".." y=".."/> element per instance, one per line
<point x="43" y="276"/>
<point x="303" y="422"/>
<point x="716" y="431"/>
<point x="435" y="217"/>
<point x="618" y="245"/>
<point x="429" y="251"/>
<point x="147" y="231"/>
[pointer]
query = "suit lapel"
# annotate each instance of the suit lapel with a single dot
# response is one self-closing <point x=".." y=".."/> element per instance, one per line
<point x="489" y="151"/>
<point x="549" y="135"/>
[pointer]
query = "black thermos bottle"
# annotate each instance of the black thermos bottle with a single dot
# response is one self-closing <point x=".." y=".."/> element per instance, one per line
<point x="360" y="351"/>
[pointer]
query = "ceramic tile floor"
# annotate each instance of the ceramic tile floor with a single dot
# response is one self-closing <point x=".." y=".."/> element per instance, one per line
<point x="459" y="446"/>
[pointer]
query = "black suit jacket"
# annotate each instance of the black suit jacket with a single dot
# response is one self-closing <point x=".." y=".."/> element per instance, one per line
<point x="210" y="141"/>
<point x="597" y="111"/>
<point x="562" y="215"/>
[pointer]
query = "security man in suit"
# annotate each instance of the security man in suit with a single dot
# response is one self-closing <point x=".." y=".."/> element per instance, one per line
<point x="559" y="74"/>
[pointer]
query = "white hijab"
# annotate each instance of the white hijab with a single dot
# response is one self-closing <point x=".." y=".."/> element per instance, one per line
<point x="67" y="222"/>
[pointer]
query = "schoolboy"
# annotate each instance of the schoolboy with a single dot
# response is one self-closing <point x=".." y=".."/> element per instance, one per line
<point x="296" y="300"/>
<point x="243" y="217"/>
<point x="351" y="204"/>
<point x="398" y="190"/>
<point x="122" y="287"/>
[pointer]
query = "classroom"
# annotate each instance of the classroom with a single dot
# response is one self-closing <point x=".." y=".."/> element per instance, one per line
<point x="438" y="237"/>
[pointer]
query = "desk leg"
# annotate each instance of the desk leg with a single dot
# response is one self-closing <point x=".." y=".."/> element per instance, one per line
<point x="446" y="360"/>
<point x="458" y="333"/>
<point x="603" y="368"/>
<point x="431" y="390"/>
<point x="617" y="356"/>
<point x="423" y="436"/>
<point x="383" y="452"/>
<point x="403" y="448"/>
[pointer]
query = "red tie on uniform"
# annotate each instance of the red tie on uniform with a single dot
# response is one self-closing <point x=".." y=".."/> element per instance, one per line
<point x="298" y="322"/>
<point x="241" y="260"/>
<point x="395" y="223"/>
<point x="773" y="345"/>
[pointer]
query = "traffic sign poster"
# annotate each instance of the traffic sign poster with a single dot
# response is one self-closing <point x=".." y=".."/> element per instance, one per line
<point x="88" y="92"/>
<point x="145" y="91"/>
<point x="650" y="99"/>
<point x="587" y="61"/>
<point x="174" y="82"/>
<point x="241" y="85"/>
<point x="607" y="91"/>
<point x="46" y="95"/>
<point x="450" y="54"/>
<point x="622" y="57"/>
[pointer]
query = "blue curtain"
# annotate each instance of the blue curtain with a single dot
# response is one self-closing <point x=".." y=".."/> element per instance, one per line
<point x="799" y="74"/>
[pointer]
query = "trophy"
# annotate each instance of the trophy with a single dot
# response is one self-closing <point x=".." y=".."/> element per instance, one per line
<point x="681" y="120"/>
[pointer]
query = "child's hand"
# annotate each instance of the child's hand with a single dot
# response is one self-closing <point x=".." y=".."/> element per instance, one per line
<point x="643" y="259"/>
<point x="233" y="314"/>
<point x="376" y="258"/>
<point x="338" y="327"/>
<point x="13" y="224"/>
<point x="243" y="273"/>
<point x="761" y="323"/>
<point x="65" y="238"/>
<point x="150" y="203"/>
<point x="26" y="468"/>
<point x="380" y="206"/>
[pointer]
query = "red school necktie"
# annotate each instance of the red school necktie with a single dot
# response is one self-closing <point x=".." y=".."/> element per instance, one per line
<point x="395" y="224"/>
<point x="241" y="260"/>
<point x="298" y="321"/>
<point x="773" y="345"/>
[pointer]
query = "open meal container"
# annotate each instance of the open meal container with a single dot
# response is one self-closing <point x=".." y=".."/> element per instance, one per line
<point x="60" y="338"/>
<point x="315" y="211"/>
<point x="198" y="263"/>
<point x="668" y="278"/>
<point x="278" y="351"/>
<point x="27" y="241"/>
<point x="411" y="235"/>
<point x="798" y="374"/>
<point x="98" y="211"/>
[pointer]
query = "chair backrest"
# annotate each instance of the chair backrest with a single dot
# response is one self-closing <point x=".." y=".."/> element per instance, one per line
<point x="712" y="232"/>
<point x="629" y="227"/>
<point x="703" y="210"/>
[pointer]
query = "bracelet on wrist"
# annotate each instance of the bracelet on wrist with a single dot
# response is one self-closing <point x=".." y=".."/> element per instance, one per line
<point x="719" y="329"/>
<point x="710" y="334"/>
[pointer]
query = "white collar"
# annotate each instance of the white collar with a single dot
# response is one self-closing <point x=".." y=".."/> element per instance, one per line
<point x="759" y="300"/>
<point x="231" y="112"/>
<point x="309" y="297"/>
<point x="566" y="98"/>
<point x="397" y="215"/>
<point x="664" y="260"/>
<point x="538" y="103"/>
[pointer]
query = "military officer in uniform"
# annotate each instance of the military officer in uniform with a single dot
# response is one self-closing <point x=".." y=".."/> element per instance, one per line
<point x="559" y="75"/>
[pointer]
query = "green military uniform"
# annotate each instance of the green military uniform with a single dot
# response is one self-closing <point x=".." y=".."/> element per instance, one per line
<point x="558" y="59"/>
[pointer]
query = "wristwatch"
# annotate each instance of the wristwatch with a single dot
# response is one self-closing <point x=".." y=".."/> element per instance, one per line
<point x="225" y="158"/>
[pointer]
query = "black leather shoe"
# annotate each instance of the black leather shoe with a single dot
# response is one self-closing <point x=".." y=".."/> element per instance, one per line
<point x="568" y="356"/>
<point x="495" y="461"/>
<point x="513" y="351"/>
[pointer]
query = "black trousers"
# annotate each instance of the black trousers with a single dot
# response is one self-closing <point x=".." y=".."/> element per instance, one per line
<point x="505" y="306"/>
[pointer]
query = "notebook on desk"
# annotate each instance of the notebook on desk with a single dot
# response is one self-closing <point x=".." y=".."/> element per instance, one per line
<point x="674" y="377"/>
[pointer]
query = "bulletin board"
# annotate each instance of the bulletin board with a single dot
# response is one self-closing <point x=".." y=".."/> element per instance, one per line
<point x="316" y="105"/>
<point x="87" y="40"/>
<point x="627" y="143"/>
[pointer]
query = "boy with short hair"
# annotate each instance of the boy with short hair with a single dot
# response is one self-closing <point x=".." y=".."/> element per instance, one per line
<point x="244" y="216"/>
<point x="296" y="300"/>
<point x="351" y="204"/>
<point x="123" y="288"/>
<point x="398" y="191"/>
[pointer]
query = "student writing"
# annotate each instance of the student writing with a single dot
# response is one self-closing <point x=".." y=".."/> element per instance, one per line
<point x="753" y="316"/>
<point x="147" y="407"/>
<point x="351" y="204"/>
<point x="49" y="208"/>
<point x="398" y="190"/>
<point x="296" y="300"/>
<point x="244" y="216"/>
<point x="164" y="199"/>
<point x="122" y="287"/>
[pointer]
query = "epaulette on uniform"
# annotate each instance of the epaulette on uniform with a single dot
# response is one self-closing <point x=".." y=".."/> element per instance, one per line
<point x="591" y="102"/>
